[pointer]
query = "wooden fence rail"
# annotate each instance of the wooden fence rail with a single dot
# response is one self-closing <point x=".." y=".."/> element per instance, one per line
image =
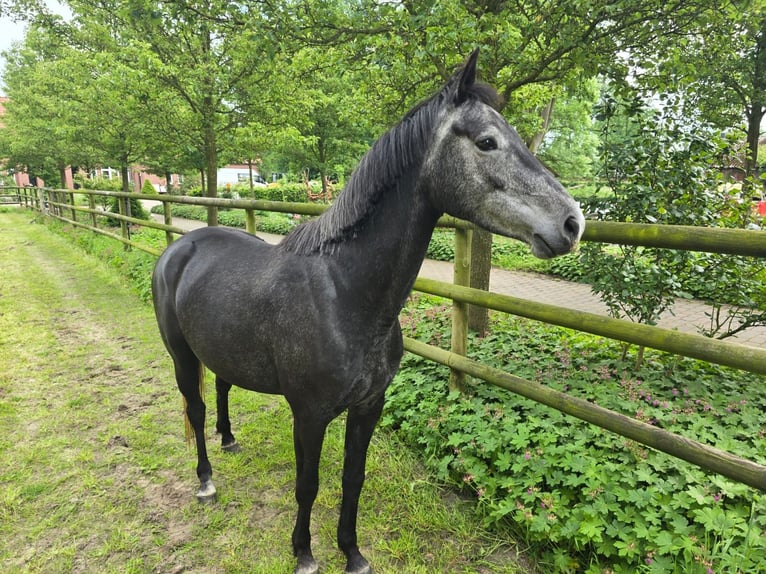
<point x="731" y="466"/>
<point x="729" y="241"/>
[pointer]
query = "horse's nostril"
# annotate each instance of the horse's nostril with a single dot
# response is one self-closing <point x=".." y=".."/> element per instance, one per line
<point x="572" y="227"/>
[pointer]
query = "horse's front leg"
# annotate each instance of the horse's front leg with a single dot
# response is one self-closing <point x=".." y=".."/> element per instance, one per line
<point x="223" y="424"/>
<point x="360" y="425"/>
<point x="308" y="436"/>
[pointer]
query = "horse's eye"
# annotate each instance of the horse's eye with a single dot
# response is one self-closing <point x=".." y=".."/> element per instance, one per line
<point x="486" y="144"/>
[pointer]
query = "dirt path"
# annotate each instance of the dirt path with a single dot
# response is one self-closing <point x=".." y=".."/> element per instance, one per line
<point x="96" y="476"/>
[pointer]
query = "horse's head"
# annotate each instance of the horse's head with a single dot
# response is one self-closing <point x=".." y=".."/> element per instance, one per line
<point x="478" y="169"/>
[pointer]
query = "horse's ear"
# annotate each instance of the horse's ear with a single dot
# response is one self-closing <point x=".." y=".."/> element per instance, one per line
<point x="467" y="77"/>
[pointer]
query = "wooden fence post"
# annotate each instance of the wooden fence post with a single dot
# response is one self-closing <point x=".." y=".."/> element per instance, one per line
<point x="92" y="206"/>
<point x="123" y="206"/>
<point x="41" y="201"/>
<point x="462" y="276"/>
<point x="71" y="202"/>
<point x="250" y="221"/>
<point x="167" y="211"/>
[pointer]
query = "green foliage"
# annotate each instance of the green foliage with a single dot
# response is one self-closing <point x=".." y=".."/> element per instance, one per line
<point x="268" y="222"/>
<point x="99" y="183"/>
<point x="570" y="147"/>
<point x="137" y="210"/>
<point x="595" y="501"/>
<point x="291" y="192"/>
<point x="148" y="188"/>
<point x="442" y="245"/>
<point x="135" y="265"/>
<point x="658" y="171"/>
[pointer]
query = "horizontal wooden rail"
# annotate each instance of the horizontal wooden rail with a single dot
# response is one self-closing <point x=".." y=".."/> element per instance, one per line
<point x="751" y="359"/>
<point x="689" y="238"/>
<point x="686" y="237"/>
<point x="100" y="231"/>
<point x="111" y="215"/>
<point x="707" y="457"/>
<point x="255" y="204"/>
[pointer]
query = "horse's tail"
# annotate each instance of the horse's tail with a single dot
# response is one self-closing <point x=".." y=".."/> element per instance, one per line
<point x="187" y="423"/>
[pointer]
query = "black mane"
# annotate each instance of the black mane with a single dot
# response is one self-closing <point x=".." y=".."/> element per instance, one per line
<point x="398" y="151"/>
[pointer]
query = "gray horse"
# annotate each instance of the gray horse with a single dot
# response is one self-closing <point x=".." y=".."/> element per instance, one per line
<point x="316" y="318"/>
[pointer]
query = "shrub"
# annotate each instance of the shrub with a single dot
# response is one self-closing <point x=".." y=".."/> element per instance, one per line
<point x="148" y="188"/>
<point x="662" y="173"/>
<point x="137" y="210"/>
<point x="278" y="223"/>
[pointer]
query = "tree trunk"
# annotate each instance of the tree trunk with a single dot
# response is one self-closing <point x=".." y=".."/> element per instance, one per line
<point x="757" y="108"/>
<point x="546" y="114"/>
<point x="211" y="166"/>
<point x="209" y="138"/>
<point x="755" y="116"/>
<point x="124" y="174"/>
<point x="250" y="173"/>
<point x="62" y="175"/>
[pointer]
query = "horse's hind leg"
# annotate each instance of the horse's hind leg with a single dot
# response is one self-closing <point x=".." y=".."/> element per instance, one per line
<point x="223" y="424"/>
<point x="188" y="376"/>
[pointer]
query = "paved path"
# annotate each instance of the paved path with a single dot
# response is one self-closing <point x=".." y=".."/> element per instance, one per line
<point x="686" y="315"/>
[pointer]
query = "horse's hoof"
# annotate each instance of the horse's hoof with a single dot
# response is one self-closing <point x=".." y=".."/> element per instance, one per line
<point x="307" y="566"/>
<point x="232" y="447"/>
<point x="359" y="566"/>
<point x="207" y="493"/>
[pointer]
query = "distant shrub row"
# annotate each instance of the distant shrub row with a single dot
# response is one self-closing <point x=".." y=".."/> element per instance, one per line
<point x="279" y="223"/>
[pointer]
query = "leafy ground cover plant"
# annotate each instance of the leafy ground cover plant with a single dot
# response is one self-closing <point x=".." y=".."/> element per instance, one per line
<point x="594" y="501"/>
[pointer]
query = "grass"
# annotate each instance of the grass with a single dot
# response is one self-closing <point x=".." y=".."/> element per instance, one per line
<point x="96" y="476"/>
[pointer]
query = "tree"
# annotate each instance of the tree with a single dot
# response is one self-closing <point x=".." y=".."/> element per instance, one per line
<point x="570" y="145"/>
<point x="717" y="72"/>
<point x="327" y="116"/>
<point x="41" y="128"/>
<point x="529" y="52"/>
<point x="203" y="52"/>
<point x="661" y="169"/>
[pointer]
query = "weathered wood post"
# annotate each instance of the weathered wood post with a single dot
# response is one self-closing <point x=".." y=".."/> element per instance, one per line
<point x="250" y="221"/>
<point x="92" y="207"/>
<point x="167" y="211"/>
<point x="123" y="207"/>
<point x="71" y="202"/>
<point x="462" y="276"/>
<point x="41" y="201"/>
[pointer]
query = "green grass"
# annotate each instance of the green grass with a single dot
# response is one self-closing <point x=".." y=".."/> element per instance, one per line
<point x="96" y="476"/>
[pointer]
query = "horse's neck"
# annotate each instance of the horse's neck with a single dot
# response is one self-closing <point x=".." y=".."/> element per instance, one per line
<point x="385" y="256"/>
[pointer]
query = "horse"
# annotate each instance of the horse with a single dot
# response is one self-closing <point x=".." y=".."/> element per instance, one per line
<point x="315" y="318"/>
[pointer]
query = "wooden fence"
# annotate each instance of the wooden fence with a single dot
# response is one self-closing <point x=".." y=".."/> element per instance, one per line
<point x="60" y="204"/>
<point x="9" y="196"/>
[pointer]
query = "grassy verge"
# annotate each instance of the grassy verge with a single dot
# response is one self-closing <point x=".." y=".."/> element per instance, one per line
<point x="96" y="476"/>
